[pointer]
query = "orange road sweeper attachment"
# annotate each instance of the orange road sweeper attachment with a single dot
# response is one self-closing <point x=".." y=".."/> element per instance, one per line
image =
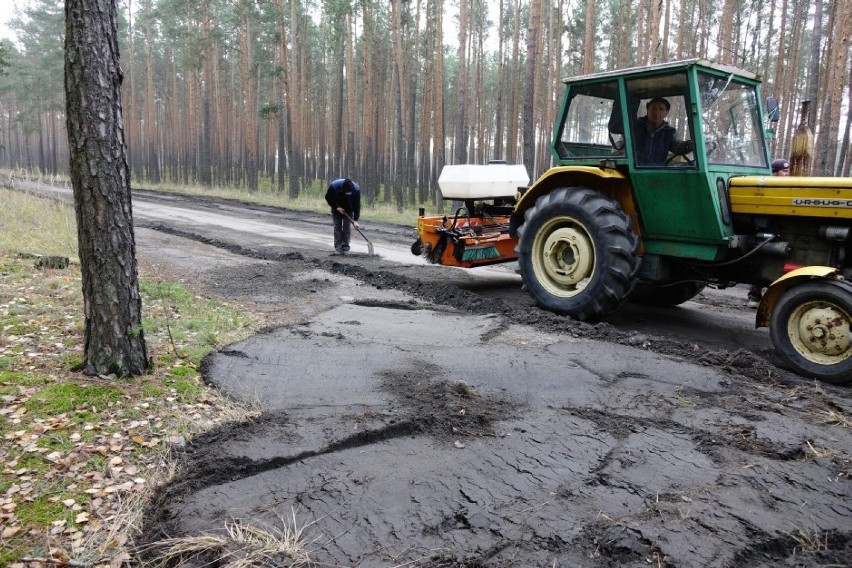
<point x="478" y="233"/>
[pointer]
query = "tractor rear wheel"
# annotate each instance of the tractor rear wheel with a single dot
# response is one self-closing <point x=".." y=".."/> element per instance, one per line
<point x="665" y="295"/>
<point x="811" y="328"/>
<point x="577" y="253"/>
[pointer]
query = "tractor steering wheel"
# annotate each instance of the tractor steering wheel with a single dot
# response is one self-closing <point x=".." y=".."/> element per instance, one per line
<point x="685" y="155"/>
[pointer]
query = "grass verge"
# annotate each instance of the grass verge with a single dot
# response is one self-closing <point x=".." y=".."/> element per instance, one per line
<point x="81" y="456"/>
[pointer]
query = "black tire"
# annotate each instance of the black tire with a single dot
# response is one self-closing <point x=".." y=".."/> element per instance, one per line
<point x="577" y="253"/>
<point x="811" y="329"/>
<point x="665" y="295"/>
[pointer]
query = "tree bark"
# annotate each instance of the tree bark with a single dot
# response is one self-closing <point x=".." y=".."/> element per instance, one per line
<point x="438" y="102"/>
<point x="529" y="87"/>
<point x="725" y="38"/>
<point x="369" y="177"/>
<point x="845" y="166"/>
<point x="501" y="88"/>
<point x="514" y="94"/>
<point x="248" y="114"/>
<point x="114" y="341"/>
<point x="814" y="65"/>
<point x="837" y="52"/>
<point x="460" y="138"/>
<point x="152" y="163"/>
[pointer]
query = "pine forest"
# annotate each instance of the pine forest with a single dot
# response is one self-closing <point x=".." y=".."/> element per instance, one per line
<point x="284" y="95"/>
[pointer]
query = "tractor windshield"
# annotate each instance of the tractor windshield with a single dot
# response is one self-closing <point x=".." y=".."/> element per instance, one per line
<point x="733" y="134"/>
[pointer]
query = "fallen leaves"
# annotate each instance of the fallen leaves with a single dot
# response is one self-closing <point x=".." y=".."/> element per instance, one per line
<point x="73" y="481"/>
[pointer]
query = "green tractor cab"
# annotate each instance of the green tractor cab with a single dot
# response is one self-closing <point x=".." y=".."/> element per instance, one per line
<point x="662" y="186"/>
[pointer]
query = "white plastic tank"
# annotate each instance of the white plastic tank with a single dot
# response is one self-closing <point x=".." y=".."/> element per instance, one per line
<point x="469" y="181"/>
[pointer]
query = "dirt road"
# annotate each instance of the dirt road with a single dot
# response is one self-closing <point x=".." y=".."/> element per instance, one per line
<point x="418" y="415"/>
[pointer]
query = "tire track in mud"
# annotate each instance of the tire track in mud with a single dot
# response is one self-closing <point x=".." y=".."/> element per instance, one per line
<point x="739" y="363"/>
<point x="628" y="540"/>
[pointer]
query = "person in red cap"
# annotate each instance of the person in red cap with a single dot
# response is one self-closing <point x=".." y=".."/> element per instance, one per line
<point x="780" y="167"/>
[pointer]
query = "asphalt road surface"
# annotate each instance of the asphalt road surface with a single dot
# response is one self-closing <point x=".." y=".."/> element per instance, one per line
<point x="417" y="415"/>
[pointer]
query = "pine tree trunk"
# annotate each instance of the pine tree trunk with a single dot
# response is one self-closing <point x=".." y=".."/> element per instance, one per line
<point x="460" y="136"/>
<point x="351" y="109"/>
<point x="814" y="65"/>
<point x="205" y="139"/>
<point x="248" y="113"/>
<point x="664" y="53"/>
<point x="151" y="135"/>
<point x="131" y="112"/>
<point x="588" y="38"/>
<point x="654" y="15"/>
<point x="838" y="31"/>
<point x="438" y="103"/>
<point x="424" y="161"/>
<point x="514" y="103"/>
<point x="529" y="86"/>
<point x="369" y="182"/>
<point x="114" y="341"/>
<point x="845" y="166"/>
<point x="725" y="38"/>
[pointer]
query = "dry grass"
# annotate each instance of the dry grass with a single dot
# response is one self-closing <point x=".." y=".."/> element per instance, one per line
<point x="81" y="457"/>
<point x="820" y="452"/>
<point x="808" y="541"/>
<point x="240" y="546"/>
<point x="835" y="418"/>
<point x="37" y="226"/>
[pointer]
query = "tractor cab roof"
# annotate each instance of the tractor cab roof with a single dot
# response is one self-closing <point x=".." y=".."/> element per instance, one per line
<point x="661" y="67"/>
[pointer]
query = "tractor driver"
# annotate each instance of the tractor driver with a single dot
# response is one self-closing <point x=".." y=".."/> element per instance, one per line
<point x="654" y="137"/>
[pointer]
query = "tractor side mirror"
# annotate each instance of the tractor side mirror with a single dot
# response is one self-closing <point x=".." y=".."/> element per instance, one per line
<point x="773" y="112"/>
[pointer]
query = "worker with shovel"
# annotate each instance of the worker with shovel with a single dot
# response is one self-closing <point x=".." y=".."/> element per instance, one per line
<point x="344" y="198"/>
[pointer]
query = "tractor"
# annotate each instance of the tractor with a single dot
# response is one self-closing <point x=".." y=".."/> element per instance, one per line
<point x="623" y="215"/>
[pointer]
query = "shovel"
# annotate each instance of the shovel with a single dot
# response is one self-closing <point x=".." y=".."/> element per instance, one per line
<point x="369" y="244"/>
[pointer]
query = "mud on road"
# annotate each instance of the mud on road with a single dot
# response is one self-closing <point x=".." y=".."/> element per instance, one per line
<point x="411" y="420"/>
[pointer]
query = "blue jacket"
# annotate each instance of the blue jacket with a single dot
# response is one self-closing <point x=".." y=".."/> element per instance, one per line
<point x="652" y="148"/>
<point x="345" y="193"/>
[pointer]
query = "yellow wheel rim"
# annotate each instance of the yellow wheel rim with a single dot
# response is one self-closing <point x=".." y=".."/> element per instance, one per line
<point x="563" y="257"/>
<point x="819" y="332"/>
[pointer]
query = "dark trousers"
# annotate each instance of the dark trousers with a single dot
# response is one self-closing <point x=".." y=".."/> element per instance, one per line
<point x="342" y="231"/>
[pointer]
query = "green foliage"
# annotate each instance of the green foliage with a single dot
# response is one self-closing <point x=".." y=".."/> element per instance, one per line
<point x="6" y="50"/>
<point x="45" y="510"/>
<point x="63" y="398"/>
<point x="11" y="380"/>
<point x="165" y="291"/>
<point x="188" y="389"/>
<point x="37" y="74"/>
<point x="150" y="390"/>
<point x="187" y="327"/>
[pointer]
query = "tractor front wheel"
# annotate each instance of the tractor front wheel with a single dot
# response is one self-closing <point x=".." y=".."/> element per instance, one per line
<point x="577" y="253"/>
<point x="810" y="328"/>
